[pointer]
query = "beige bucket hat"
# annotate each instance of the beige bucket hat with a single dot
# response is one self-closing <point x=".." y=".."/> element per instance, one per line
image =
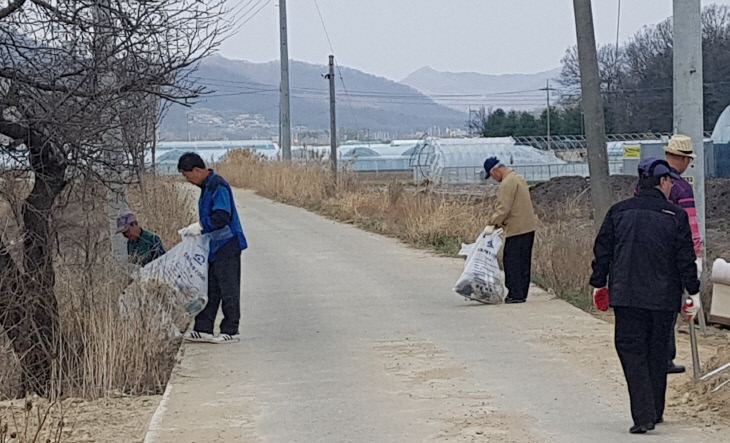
<point x="680" y="145"/>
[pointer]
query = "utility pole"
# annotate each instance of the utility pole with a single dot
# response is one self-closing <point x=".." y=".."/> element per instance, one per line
<point x="285" y="116"/>
<point x="688" y="100"/>
<point x="547" y="90"/>
<point x="593" y="108"/>
<point x="688" y="107"/>
<point x="333" y="118"/>
<point x="471" y="127"/>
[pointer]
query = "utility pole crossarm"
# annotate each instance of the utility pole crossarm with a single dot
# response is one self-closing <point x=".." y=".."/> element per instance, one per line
<point x="547" y="90"/>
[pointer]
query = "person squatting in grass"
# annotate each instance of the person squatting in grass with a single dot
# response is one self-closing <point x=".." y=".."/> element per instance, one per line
<point x="219" y="219"/>
<point x="645" y="254"/>
<point x="142" y="246"/>
<point x="515" y="214"/>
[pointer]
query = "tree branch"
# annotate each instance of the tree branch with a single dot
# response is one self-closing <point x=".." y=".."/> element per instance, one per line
<point x="12" y="7"/>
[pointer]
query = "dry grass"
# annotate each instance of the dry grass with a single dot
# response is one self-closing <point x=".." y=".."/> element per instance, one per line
<point x="101" y="352"/>
<point x="562" y="258"/>
<point x="76" y="420"/>
<point x="36" y="421"/>
<point x="422" y="217"/>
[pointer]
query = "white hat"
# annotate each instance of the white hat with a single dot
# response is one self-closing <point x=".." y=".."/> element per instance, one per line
<point x="680" y="145"/>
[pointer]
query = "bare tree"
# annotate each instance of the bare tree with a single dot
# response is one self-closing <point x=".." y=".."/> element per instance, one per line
<point x="78" y="80"/>
<point x="611" y="62"/>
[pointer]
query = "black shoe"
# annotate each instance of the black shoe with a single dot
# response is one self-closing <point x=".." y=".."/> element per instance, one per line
<point x="675" y="369"/>
<point x="510" y="301"/>
<point x="641" y="429"/>
<point x="659" y="420"/>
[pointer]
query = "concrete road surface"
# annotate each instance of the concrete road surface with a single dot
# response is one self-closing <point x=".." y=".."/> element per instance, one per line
<point x="353" y="337"/>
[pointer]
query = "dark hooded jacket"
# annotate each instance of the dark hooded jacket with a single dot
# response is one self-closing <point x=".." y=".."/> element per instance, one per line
<point x="644" y="252"/>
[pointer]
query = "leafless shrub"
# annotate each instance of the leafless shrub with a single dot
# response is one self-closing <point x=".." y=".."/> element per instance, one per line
<point x="82" y="86"/>
<point x="101" y="351"/>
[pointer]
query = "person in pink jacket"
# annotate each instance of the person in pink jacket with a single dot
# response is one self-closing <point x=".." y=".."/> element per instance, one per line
<point x="680" y="154"/>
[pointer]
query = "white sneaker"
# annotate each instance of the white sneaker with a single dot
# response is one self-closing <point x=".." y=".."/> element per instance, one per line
<point x="225" y="338"/>
<point x="199" y="337"/>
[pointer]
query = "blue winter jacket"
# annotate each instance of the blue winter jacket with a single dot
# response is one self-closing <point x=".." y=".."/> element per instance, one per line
<point x="218" y="214"/>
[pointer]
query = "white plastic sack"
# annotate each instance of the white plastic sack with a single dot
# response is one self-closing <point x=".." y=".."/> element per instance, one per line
<point x="185" y="269"/>
<point x="482" y="277"/>
<point x="466" y="249"/>
<point x="721" y="272"/>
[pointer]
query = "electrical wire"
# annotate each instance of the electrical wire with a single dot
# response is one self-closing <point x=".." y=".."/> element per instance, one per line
<point x="618" y="27"/>
<point x="337" y="65"/>
<point x="256" y="12"/>
<point x="517" y="94"/>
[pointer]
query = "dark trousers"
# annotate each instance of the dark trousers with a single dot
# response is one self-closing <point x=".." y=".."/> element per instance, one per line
<point x="672" y="341"/>
<point x="224" y="289"/>
<point x="518" y="264"/>
<point x="642" y="346"/>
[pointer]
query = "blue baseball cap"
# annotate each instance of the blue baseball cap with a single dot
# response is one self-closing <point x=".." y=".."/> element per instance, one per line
<point x="489" y="164"/>
<point x="656" y="167"/>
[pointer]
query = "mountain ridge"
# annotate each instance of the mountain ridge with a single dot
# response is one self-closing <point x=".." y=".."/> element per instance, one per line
<point x="246" y="102"/>
<point x="507" y="91"/>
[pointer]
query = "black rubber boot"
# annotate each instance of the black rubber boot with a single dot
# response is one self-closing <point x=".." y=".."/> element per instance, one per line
<point x="641" y="429"/>
<point x="675" y="369"/>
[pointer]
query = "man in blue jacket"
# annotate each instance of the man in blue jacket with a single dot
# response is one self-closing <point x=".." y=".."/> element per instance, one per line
<point x="645" y="254"/>
<point x="219" y="219"/>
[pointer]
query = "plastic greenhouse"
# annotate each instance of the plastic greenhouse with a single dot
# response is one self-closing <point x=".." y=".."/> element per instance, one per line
<point x="214" y="150"/>
<point x="455" y="161"/>
<point x="376" y="157"/>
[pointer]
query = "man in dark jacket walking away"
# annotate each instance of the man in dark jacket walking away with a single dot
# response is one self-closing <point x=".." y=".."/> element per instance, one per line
<point x="219" y="219"/>
<point x="645" y="254"/>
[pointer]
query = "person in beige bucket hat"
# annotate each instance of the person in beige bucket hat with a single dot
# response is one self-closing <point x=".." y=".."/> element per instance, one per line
<point x="679" y="153"/>
<point x="681" y="146"/>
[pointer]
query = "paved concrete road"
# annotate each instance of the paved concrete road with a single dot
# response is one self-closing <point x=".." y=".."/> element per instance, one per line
<point x="353" y="337"/>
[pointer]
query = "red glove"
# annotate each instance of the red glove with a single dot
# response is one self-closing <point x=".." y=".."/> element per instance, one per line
<point x="600" y="299"/>
<point x="691" y="306"/>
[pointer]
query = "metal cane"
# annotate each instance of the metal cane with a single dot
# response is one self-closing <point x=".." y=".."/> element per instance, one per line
<point x="695" y="350"/>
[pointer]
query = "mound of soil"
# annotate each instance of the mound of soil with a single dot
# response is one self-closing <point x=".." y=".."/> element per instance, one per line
<point x="717" y="203"/>
<point x="576" y="191"/>
<point x="571" y="197"/>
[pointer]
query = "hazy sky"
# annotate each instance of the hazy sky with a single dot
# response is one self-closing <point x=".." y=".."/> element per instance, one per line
<point x="392" y="38"/>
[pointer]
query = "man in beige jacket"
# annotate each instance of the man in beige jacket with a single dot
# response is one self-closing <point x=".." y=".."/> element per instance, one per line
<point x="515" y="214"/>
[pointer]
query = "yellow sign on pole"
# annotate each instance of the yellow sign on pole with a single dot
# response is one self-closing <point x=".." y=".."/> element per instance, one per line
<point x="632" y="152"/>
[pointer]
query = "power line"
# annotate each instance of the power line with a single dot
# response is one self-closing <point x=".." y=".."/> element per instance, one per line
<point x="321" y="19"/>
<point x="239" y="13"/>
<point x="618" y="27"/>
<point x="256" y="12"/>
<point x="523" y="93"/>
<point x="337" y="65"/>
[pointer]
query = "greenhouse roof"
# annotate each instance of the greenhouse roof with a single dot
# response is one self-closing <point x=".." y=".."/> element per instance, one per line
<point x="218" y="144"/>
<point x="471" y="152"/>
